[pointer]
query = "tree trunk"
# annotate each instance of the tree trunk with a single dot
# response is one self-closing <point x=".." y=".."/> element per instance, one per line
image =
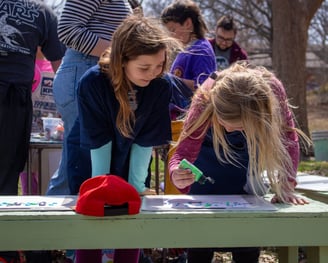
<point x="290" y="24"/>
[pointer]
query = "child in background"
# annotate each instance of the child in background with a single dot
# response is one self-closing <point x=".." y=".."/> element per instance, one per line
<point x="239" y="126"/>
<point x="124" y="109"/>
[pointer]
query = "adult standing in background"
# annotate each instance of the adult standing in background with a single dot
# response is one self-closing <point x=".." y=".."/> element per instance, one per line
<point x="86" y="28"/>
<point x="226" y="49"/>
<point x="24" y="25"/>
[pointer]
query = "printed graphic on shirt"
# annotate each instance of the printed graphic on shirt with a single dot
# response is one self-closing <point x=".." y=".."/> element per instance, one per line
<point x="12" y="23"/>
<point x="132" y="96"/>
<point x="178" y="72"/>
<point x="221" y="62"/>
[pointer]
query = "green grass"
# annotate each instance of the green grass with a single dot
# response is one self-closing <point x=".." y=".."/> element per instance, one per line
<point x="161" y="166"/>
<point x="161" y="172"/>
<point x="314" y="167"/>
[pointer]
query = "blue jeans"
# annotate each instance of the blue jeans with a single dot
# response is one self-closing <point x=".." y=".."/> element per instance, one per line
<point x="66" y="80"/>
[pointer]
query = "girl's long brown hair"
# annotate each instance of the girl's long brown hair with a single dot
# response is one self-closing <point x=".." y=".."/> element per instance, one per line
<point x="137" y="35"/>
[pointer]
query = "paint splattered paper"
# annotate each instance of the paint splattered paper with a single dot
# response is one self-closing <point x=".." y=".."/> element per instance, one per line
<point x="37" y="203"/>
<point x="205" y="202"/>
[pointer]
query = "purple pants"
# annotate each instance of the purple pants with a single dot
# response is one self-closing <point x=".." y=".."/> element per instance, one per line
<point x="120" y="255"/>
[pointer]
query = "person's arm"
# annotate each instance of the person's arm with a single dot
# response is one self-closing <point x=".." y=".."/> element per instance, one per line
<point x="100" y="159"/>
<point x="139" y="163"/>
<point x="55" y="65"/>
<point x="292" y="144"/>
<point x="49" y="46"/>
<point x="188" y="149"/>
<point x="190" y="84"/>
<point x="73" y="30"/>
<point x="99" y="48"/>
<point x="290" y="134"/>
<point x="203" y="62"/>
<point x="78" y="17"/>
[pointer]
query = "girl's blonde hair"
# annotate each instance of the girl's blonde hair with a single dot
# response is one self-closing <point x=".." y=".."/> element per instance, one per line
<point x="254" y="97"/>
<point x="137" y="35"/>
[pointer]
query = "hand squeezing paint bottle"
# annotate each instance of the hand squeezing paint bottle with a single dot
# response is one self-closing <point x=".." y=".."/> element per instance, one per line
<point x="199" y="176"/>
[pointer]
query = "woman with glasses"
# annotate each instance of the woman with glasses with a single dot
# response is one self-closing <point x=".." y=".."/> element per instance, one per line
<point x="193" y="65"/>
<point x="184" y="20"/>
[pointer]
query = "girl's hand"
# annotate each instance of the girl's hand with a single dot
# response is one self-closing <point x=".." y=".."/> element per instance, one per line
<point x="182" y="178"/>
<point x="290" y="198"/>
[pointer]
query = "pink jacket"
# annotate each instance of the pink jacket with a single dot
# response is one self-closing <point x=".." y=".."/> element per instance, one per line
<point x="190" y="147"/>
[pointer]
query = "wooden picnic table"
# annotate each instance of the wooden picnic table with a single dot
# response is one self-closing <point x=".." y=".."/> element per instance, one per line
<point x="287" y="228"/>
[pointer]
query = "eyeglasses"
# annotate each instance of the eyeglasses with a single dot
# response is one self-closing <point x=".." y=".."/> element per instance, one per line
<point x="222" y="39"/>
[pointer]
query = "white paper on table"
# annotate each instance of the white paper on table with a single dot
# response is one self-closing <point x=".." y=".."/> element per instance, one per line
<point x="37" y="203"/>
<point x="312" y="182"/>
<point x="205" y="202"/>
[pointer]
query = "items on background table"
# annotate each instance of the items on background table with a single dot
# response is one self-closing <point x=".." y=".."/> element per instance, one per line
<point x="42" y="94"/>
<point x="53" y="128"/>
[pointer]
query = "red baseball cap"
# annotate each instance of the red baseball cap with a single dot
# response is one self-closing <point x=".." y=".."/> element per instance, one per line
<point x="107" y="195"/>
